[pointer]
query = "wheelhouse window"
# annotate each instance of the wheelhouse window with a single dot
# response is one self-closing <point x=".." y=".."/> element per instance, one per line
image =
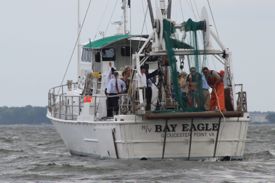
<point x="108" y="54"/>
<point x="86" y="55"/>
<point x="125" y="51"/>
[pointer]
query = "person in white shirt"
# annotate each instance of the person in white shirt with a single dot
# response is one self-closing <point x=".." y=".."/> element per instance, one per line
<point x="141" y="77"/>
<point x="115" y="86"/>
<point x="108" y="75"/>
<point x="144" y="83"/>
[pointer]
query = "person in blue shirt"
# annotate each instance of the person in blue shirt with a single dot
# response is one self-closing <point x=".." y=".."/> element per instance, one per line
<point x="114" y="87"/>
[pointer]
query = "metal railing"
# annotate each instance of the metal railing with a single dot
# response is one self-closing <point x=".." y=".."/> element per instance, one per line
<point x="63" y="104"/>
<point x="241" y="98"/>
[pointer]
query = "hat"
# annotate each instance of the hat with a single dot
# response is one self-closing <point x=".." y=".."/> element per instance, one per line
<point x="113" y="70"/>
<point x="183" y="74"/>
<point x="115" y="74"/>
<point x="192" y="69"/>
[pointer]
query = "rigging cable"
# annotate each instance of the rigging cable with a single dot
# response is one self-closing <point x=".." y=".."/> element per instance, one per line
<point x="212" y="15"/>
<point x="113" y="11"/>
<point x="144" y="24"/>
<point x="103" y="15"/>
<point x="76" y="43"/>
<point x="196" y="7"/>
<point x="143" y="13"/>
<point x="130" y="31"/>
<point x="193" y="10"/>
<point x="181" y="10"/>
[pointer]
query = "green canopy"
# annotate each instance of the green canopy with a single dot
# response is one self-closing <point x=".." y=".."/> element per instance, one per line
<point x="101" y="43"/>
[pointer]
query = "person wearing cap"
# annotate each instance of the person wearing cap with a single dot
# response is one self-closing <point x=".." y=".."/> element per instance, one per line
<point x="150" y="79"/>
<point x="108" y="75"/>
<point x="215" y="81"/>
<point x="183" y="87"/>
<point x="126" y="73"/>
<point x="195" y="97"/>
<point x="115" y="87"/>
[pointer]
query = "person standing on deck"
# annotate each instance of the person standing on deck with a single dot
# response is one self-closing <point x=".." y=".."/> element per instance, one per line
<point x="195" y="97"/>
<point x="183" y="87"/>
<point x="206" y="94"/>
<point x="115" y="87"/>
<point x="108" y="75"/>
<point x="215" y="81"/>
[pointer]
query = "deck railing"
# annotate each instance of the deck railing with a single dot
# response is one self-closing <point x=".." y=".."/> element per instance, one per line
<point x="64" y="104"/>
<point x="241" y="98"/>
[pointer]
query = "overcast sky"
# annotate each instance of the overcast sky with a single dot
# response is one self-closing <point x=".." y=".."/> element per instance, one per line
<point x="37" y="37"/>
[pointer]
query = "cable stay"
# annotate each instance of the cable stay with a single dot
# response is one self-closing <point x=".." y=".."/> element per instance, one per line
<point x="76" y="43"/>
<point x="112" y="14"/>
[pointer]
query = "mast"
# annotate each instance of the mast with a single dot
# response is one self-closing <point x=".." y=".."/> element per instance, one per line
<point x="169" y="9"/>
<point x="78" y="41"/>
<point x="151" y="12"/>
<point x="124" y="8"/>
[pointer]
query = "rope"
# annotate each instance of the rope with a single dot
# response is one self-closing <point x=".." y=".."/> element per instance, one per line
<point x="220" y="129"/>
<point x="212" y="15"/>
<point x="111" y="16"/>
<point x="219" y="107"/>
<point x="75" y="45"/>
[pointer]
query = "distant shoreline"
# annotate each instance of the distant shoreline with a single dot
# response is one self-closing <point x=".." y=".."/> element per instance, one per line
<point x="23" y="115"/>
<point x="37" y="115"/>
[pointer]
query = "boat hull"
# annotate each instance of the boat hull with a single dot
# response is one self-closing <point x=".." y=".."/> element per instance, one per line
<point x="131" y="137"/>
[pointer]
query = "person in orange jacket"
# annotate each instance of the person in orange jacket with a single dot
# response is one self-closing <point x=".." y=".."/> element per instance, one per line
<point x="215" y="81"/>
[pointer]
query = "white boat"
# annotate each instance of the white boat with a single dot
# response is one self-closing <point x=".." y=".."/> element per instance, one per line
<point x="172" y="127"/>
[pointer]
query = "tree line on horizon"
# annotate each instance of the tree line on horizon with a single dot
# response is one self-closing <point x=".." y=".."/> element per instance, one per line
<point x="23" y="115"/>
<point x="37" y="115"/>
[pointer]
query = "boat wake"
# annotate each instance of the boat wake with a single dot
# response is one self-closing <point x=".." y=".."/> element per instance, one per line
<point x="266" y="155"/>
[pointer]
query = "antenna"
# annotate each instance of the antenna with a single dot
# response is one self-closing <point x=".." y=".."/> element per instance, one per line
<point x="169" y="9"/>
<point x="124" y="8"/>
<point x="78" y="41"/>
<point x="151" y="12"/>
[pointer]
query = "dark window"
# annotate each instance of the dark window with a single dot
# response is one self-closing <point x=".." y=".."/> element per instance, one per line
<point x="108" y="54"/>
<point x="97" y="57"/>
<point x="125" y="51"/>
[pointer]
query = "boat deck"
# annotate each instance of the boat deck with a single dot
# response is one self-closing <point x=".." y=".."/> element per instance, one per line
<point x="206" y="114"/>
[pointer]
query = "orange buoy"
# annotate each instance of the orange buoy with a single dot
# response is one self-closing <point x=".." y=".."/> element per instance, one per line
<point x="87" y="99"/>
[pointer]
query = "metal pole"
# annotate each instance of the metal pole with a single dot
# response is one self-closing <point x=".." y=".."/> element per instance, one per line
<point x="72" y="100"/>
<point x="124" y="8"/>
<point x="164" y="140"/>
<point x="217" y="138"/>
<point x="78" y="30"/>
<point x="151" y="12"/>
<point x="114" y="140"/>
<point x="190" y="141"/>
<point x="169" y="9"/>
